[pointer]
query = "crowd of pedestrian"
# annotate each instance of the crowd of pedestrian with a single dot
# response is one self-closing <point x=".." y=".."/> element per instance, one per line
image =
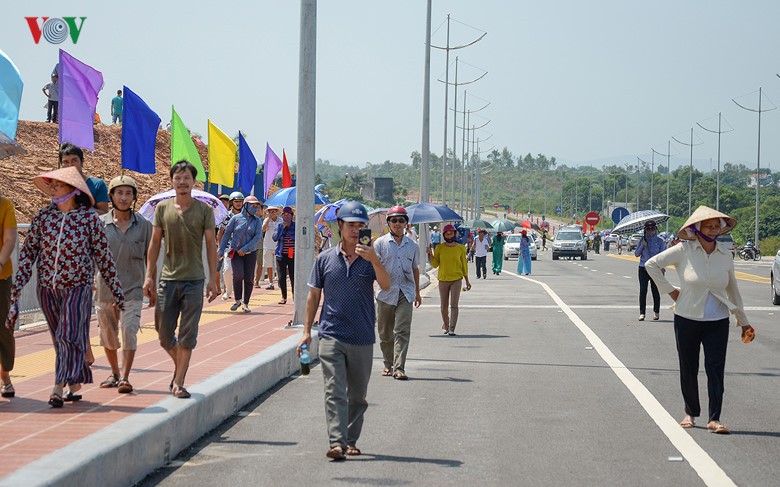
<point x="90" y="225"/>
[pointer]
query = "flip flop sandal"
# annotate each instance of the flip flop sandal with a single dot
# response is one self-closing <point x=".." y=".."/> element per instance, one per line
<point x="55" y="401"/>
<point x="387" y="373"/>
<point x="111" y="381"/>
<point x="687" y="424"/>
<point x="124" y="387"/>
<point x="70" y="397"/>
<point x="181" y="393"/>
<point x="336" y="453"/>
<point x="283" y="301"/>
<point x="400" y="376"/>
<point x="353" y="451"/>
<point x="719" y="429"/>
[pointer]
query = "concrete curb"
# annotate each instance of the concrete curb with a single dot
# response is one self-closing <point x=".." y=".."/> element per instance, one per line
<point x="130" y="449"/>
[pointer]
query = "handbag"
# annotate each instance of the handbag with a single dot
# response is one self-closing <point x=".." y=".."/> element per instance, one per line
<point x="232" y="252"/>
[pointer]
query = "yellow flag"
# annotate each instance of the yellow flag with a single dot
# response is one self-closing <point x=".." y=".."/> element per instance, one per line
<point x="222" y="157"/>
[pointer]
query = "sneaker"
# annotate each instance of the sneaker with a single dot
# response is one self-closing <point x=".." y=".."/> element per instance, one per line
<point x="656" y="317"/>
<point x="246" y="309"/>
<point x="451" y="333"/>
<point x="641" y="317"/>
<point x="225" y="297"/>
<point x="235" y="306"/>
<point x="270" y="287"/>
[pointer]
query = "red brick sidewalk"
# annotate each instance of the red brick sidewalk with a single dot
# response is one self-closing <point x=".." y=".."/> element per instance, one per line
<point x="32" y="429"/>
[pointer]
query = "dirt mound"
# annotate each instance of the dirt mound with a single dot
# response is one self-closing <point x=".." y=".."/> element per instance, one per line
<point x="39" y="139"/>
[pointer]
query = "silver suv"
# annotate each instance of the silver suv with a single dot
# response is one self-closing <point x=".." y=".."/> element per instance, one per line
<point x="570" y="242"/>
<point x="727" y="241"/>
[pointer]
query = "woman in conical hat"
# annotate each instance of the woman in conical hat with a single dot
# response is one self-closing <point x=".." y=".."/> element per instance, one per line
<point x="66" y="240"/>
<point x="708" y="293"/>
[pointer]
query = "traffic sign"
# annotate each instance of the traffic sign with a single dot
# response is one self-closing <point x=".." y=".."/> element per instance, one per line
<point x="496" y="205"/>
<point x="592" y="218"/>
<point x="618" y="214"/>
<point x="558" y="209"/>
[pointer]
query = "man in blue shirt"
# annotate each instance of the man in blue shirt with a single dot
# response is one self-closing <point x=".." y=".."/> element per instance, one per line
<point x="649" y="246"/>
<point x="70" y="155"/>
<point x="116" y="108"/>
<point x="346" y="273"/>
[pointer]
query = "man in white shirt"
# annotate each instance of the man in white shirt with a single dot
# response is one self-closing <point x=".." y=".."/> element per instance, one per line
<point x="269" y="246"/>
<point x="481" y="244"/>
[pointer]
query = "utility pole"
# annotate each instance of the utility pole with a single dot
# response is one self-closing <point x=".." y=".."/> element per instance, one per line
<point x="690" y="168"/>
<point x="426" y="137"/>
<point x="307" y="103"/>
<point x="447" y="50"/>
<point x="758" y="154"/>
<point x="717" y="175"/>
<point x="668" y="175"/>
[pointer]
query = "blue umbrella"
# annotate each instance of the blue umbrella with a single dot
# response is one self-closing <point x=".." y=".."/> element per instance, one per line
<point x="286" y="197"/>
<point x="329" y="211"/>
<point x="430" y="213"/>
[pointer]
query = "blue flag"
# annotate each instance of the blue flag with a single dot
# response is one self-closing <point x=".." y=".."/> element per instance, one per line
<point x="10" y="96"/>
<point x="139" y="134"/>
<point x="247" y="165"/>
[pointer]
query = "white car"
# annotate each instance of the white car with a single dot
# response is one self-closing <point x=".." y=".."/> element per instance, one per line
<point x="512" y="246"/>
<point x="774" y="279"/>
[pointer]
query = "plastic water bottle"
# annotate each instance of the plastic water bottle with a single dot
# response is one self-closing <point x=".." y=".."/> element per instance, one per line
<point x="305" y="360"/>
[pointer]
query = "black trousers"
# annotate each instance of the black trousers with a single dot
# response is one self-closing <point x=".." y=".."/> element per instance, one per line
<point x="52" y="111"/>
<point x="691" y="335"/>
<point x="285" y="267"/>
<point x="243" y="275"/>
<point x="644" y="278"/>
<point x="481" y="266"/>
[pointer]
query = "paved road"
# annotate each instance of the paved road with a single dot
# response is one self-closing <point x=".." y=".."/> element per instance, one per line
<point x="551" y="381"/>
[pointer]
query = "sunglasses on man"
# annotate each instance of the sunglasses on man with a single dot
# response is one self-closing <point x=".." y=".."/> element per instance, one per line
<point x="397" y="220"/>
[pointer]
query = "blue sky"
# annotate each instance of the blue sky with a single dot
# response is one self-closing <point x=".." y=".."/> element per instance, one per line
<point x="582" y="81"/>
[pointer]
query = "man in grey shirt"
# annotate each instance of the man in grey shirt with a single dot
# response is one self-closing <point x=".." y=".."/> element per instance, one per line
<point x="128" y="236"/>
<point x="399" y="255"/>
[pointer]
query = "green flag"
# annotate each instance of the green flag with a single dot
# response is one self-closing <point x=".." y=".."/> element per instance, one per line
<point x="182" y="146"/>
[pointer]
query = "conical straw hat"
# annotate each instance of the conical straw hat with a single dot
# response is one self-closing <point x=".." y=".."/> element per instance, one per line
<point x="69" y="175"/>
<point x="702" y="213"/>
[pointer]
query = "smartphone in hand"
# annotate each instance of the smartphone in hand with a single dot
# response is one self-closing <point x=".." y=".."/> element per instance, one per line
<point x="364" y="237"/>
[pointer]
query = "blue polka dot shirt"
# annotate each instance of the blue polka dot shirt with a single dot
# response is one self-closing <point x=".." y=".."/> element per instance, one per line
<point x="348" y="313"/>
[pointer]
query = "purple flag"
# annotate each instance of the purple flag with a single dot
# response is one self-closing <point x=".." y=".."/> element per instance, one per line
<point x="79" y="88"/>
<point x="271" y="168"/>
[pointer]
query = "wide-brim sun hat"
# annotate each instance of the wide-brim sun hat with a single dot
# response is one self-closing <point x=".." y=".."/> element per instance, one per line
<point x="692" y="225"/>
<point x="69" y="175"/>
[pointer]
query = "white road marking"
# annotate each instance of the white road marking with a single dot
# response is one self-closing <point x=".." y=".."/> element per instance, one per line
<point x="701" y="462"/>
<point x="609" y="273"/>
<point x="627" y="277"/>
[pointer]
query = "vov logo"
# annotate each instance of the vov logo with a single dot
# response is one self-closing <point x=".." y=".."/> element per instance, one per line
<point x="55" y="30"/>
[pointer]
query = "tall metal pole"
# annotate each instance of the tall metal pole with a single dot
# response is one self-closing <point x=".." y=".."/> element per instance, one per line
<point x="477" y="195"/>
<point x="446" y="113"/>
<point x="758" y="156"/>
<point x="637" y="184"/>
<point x="307" y="97"/>
<point x="690" y="168"/>
<point x="426" y="137"/>
<point x="668" y="175"/>
<point x="463" y="154"/>
<point x="652" y="178"/>
<point x="717" y="176"/>
<point x="454" y="131"/>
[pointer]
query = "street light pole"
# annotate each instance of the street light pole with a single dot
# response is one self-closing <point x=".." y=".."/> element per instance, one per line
<point x="717" y="175"/>
<point x="758" y="155"/>
<point x="668" y="175"/>
<point x="426" y="138"/>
